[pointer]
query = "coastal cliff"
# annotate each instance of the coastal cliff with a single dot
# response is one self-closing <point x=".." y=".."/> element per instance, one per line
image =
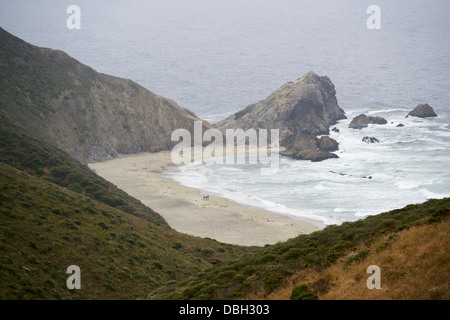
<point x="92" y="116"/>
<point x="301" y="110"/>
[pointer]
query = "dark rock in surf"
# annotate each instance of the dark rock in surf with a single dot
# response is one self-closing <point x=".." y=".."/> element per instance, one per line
<point x="307" y="148"/>
<point x="422" y="111"/>
<point x="370" y="140"/>
<point x="325" y="143"/>
<point x="363" y="121"/>
<point x="335" y="130"/>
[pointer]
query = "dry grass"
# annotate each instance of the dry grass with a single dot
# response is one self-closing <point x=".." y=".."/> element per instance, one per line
<point x="414" y="265"/>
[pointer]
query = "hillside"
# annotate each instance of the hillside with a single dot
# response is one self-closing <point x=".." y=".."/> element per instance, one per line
<point x="25" y="152"/>
<point x="45" y="228"/>
<point x="414" y="264"/>
<point x="332" y="263"/>
<point x="55" y="212"/>
<point x="90" y="115"/>
<point x="57" y="114"/>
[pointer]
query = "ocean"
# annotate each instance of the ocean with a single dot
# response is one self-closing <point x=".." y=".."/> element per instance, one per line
<point x="215" y="57"/>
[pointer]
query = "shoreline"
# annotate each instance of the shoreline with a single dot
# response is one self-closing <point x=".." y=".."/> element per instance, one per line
<point x="185" y="210"/>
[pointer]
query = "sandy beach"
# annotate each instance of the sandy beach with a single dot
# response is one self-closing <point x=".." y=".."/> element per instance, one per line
<point x="184" y="208"/>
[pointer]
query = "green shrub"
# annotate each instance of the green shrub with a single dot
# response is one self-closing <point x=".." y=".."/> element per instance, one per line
<point x="103" y="226"/>
<point x="266" y="258"/>
<point x="32" y="244"/>
<point x="292" y="253"/>
<point x="177" y="246"/>
<point x="75" y="187"/>
<point x="272" y="282"/>
<point x="207" y="251"/>
<point x="357" y="257"/>
<point x="302" y="293"/>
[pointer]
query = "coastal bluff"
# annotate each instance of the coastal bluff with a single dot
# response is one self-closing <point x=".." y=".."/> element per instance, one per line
<point x="90" y="115"/>
<point x="301" y="110"/>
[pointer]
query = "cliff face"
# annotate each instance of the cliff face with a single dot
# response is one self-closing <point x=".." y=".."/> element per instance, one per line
<point x="301" y="110"/>
<point x="92" y="116"/>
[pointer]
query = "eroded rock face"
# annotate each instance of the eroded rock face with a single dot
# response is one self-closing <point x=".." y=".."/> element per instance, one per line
<point x="422" y="111"/>
<point x="325" y="143"/>
<point x="90" y="115"/>
<point x="301" y="110"/>
<point x="363" y="121"/>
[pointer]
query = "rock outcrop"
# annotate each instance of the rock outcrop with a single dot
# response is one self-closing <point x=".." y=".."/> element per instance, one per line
<point x="363" y="121"/>
<point x="422" y="111"/>
<point x="301" y="110"/>
<point x="370" y="140"/>
<point x="336" y="130"/>
<point x="90" y="115"/>
<point x="325" y="143"/>
<point x="308" y="147"/>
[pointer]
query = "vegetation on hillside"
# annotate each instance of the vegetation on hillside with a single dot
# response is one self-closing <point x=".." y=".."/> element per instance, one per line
<point x="259" y="274"/>
<point x="414" y="264"/>
<point x="45" y="228"/>
<point x="55" y="212"/>
<point x="25" y="152"/>
<point x="25" y="97"/>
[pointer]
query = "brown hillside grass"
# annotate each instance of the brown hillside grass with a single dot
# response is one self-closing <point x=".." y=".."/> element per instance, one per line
<point x="415" y="264"/>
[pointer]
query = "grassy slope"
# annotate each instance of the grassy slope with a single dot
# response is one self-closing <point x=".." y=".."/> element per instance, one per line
<point x="260" y="274"/>
<point x="55" y="212"/>
<point x="414" y="264"/>
<point x="25" y="152"/>
<point x="45" y="228"/>
<point x="26" y="97"/>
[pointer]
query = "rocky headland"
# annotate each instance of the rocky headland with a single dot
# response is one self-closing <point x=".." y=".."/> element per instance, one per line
<point x="92" y="116"/>
<point x="301" y="110"/>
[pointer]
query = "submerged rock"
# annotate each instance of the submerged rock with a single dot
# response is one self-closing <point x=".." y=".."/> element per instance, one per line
<point x="370" y="140"/>
<point x="335" y="130"/>
<point x="422" y="111"/>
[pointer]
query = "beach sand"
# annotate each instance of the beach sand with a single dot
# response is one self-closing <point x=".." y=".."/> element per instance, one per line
<point x="184" y="208"/>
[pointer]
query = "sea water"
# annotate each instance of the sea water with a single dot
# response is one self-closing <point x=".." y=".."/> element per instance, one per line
<point x="409" y="165"/>
<point x="216" y="57"/>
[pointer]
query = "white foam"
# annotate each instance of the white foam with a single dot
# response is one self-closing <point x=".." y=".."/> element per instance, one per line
<point x="432" y="195"/>
<point x="306" y="190"/>
<point x="387" y="111"/>
<point x="407" y="184"/>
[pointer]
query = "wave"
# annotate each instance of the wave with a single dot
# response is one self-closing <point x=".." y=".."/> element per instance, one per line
<point x="334" y="191"/>
<point x="388" y="111"/>
<point x="433" y="195"/>
<point x="407" y="185"/>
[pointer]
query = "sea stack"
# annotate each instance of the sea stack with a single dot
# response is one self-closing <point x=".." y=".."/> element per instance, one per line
<point x="301" y="110"/>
